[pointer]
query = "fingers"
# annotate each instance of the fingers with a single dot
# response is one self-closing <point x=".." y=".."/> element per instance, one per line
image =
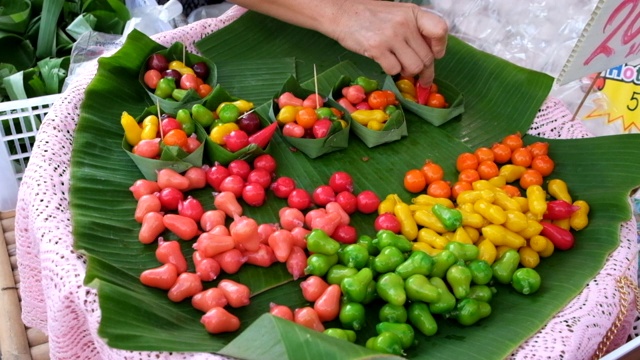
<point x="406" y="62"/>
<point x="417" y="54"/>
<point x="387" y="60"/>
<point x="434" y="30"/>
<point x="411" y="63"/>
<point x="418" y="60"/>
<point x="426" y="76"/>
<point x="408" y="44"/>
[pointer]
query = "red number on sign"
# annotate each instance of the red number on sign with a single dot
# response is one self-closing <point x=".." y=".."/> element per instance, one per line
<point x="630" y="33"/>
<point x="634" y="49"/>
<point x="628" y="36"/>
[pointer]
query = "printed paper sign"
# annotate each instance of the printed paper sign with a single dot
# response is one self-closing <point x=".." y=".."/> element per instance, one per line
<point x="611" y="38"/>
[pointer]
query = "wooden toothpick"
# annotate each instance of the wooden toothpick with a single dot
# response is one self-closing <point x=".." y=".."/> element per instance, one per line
<point x="315" y="83"/>
<point x="159" y="119"/>
<point x="586" y="95"/>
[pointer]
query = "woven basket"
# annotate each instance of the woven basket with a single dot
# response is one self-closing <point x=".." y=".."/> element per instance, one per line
<point x="16" y="340"/>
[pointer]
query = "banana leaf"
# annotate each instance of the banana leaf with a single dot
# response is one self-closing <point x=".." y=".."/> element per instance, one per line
<point x="171" y="157"/>
<point x="273" y="73"/>
<point x="500" y="98"/>
<point x="36" y="30"/>
<point x="15" y="15"/>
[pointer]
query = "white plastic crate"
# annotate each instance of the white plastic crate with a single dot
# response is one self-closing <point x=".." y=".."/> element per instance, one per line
<point x="19" y="124"/>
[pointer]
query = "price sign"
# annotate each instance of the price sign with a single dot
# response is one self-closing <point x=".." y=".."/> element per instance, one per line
<point x="617" y="106"/>
<point x="610" y="38"/>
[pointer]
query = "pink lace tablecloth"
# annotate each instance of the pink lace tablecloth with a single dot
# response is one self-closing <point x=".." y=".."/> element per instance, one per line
<point x="55" y="300"/>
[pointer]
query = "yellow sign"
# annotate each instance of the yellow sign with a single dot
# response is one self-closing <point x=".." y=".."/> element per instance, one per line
<point x="620" y="104"/>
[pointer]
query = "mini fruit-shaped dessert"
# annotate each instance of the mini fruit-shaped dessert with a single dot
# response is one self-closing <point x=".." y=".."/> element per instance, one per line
<point x="151" y="135"/>
<point x="377" y="115"/>
<point x="173" y="79"/>
<point x="308" y="118"/>
<point x="436" y="103"/>
<point x="367" y="104"/>
<point x="429" y="96"/>
<point x="310" y="122"/>
<point x="235" y="125"/>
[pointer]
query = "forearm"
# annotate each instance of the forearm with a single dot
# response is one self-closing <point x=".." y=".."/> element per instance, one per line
<point x="318" y="15"/>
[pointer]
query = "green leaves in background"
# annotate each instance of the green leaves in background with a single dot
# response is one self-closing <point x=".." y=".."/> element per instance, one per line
<point x="39" y="31"/>
<point x="45" y="79"/>
<point x="500" y="99"/>
<point x="21" y="55"/>
<point x="14" y="15"/>
<point x="48" y="25"/>
<point x="53" y="73"/>
<point x="6" y="70"/>
<point x="111" y="15"/>
<point x="81" y="24"/>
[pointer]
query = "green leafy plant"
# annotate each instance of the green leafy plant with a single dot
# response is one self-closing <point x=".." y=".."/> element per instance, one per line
<point x="500" y="99"/>
<point x="41" y="35"/>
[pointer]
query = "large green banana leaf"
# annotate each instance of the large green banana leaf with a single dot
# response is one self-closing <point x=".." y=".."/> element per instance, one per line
<point x="500" y="98"/>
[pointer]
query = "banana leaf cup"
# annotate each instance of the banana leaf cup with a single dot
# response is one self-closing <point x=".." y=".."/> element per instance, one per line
<point x="435" y="116"/>
<point x="395" y="127"/>
<point x="337" y="137"/>
<point x="171" y="100"/>
<point x="172" y="157"/>
<point x="218" y="153"/>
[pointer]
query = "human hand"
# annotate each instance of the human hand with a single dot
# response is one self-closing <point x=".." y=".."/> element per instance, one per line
<point x="402" y="38"/>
